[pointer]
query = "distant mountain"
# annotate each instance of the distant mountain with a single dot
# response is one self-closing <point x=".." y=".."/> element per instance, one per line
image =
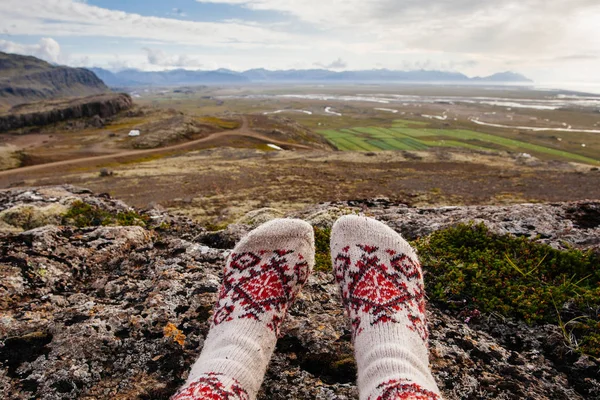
<point x="385" y="75"/>
<point x="374" y="75"/>
<point x="111" y="79"/>
<point x="293" y="75"/>
<point x="25" y="79"/>
<point x="504" y="77"/>
<point x="133" y="77"/>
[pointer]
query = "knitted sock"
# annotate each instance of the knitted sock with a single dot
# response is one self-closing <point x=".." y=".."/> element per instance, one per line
<point x="263" y="275"/>
<point x="382" y="289"/>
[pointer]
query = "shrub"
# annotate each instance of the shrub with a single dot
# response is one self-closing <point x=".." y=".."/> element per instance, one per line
<point x="216" y="226"/>
<point x="82" y="215"/>
<point x="221" y="123"/>
<point x="470" y="267"/>
<point x="322" y="252"/>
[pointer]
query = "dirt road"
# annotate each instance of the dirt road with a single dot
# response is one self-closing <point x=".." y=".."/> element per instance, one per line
<point x="8" y="176"/>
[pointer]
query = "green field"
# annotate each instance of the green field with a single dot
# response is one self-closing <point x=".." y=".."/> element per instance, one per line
<point x="410" y="135"/>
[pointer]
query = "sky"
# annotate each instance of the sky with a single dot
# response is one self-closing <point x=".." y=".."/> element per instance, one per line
<point x="546" y="40"/>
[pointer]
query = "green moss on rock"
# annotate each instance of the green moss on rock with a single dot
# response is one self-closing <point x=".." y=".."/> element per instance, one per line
<point x="470" y="267"/>
<point x="82" y="215"/>
<point x="322" y="250"/>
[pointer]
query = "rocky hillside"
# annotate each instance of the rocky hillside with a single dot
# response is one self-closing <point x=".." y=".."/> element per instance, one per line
<point x="45" y="113"/>
<point x="101" y="301"/>
<point x="25" y="79"/>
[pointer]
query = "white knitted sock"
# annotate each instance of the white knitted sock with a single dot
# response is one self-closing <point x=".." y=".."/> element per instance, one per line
<point x="263" y="275"/>
<point x="382" y="289"/>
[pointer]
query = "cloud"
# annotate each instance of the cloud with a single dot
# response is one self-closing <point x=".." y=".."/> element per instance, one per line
<point x="47" y="49"/>
<point x="577" y="57"/>
<point x="479" y="36"/>
<point x="84" y="61"/>
<point x="438" y="65"/>
<point x="117" y="63"/>
<point x="336" y="64"/>
<point x="160" y="58"/>
<point x="72" y="18"/>
<point x="346" y="12"/>
<point x="510" y="27"/>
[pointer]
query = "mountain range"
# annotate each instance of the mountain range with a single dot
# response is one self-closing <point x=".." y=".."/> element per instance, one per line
<point x="25" y="79"/>
<point x="134" y="77"/>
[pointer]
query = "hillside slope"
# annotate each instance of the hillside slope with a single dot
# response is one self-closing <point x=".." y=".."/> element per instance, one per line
<point x="25" y="79"/>
<point x="122" y="311"/>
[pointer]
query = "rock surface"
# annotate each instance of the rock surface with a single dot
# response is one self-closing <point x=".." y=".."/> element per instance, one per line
<point x="94" y="312"/>
<point x="555" y="224"/>
<point x="39" y="114"/>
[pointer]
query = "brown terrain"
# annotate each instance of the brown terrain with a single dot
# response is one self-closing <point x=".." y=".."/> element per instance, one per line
<point x="221" y="184"/>
<point x="125" y="156"/>
<point x="217" y="166"/>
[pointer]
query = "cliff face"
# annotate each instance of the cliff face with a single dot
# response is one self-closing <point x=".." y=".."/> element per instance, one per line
<point x="98" y="312"/>
<point x="24" y="79"/>
<point x="40" y="114"/>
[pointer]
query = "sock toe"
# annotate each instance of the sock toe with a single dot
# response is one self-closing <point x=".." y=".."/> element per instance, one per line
<point x="356" y="222"/>
<point x="354" y="229"/>
<point x="284" y="228"/>
<point x="281" y="233"/>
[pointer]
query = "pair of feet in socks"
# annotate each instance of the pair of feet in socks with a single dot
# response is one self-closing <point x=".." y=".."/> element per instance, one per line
<point x="382" y="290"/>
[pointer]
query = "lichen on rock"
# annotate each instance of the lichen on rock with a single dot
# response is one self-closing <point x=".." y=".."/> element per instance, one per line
<point x="25" y="217"/>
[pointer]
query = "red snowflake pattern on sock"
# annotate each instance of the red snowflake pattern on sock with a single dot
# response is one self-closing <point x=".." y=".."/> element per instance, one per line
<point x="381" y="284"/>
<point x="212" y="387"/>
<point x="260" y="286"/>
<point x="396" y="389"/>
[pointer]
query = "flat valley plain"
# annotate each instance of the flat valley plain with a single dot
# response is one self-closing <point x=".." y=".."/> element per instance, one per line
<point x="421" y="145"/>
